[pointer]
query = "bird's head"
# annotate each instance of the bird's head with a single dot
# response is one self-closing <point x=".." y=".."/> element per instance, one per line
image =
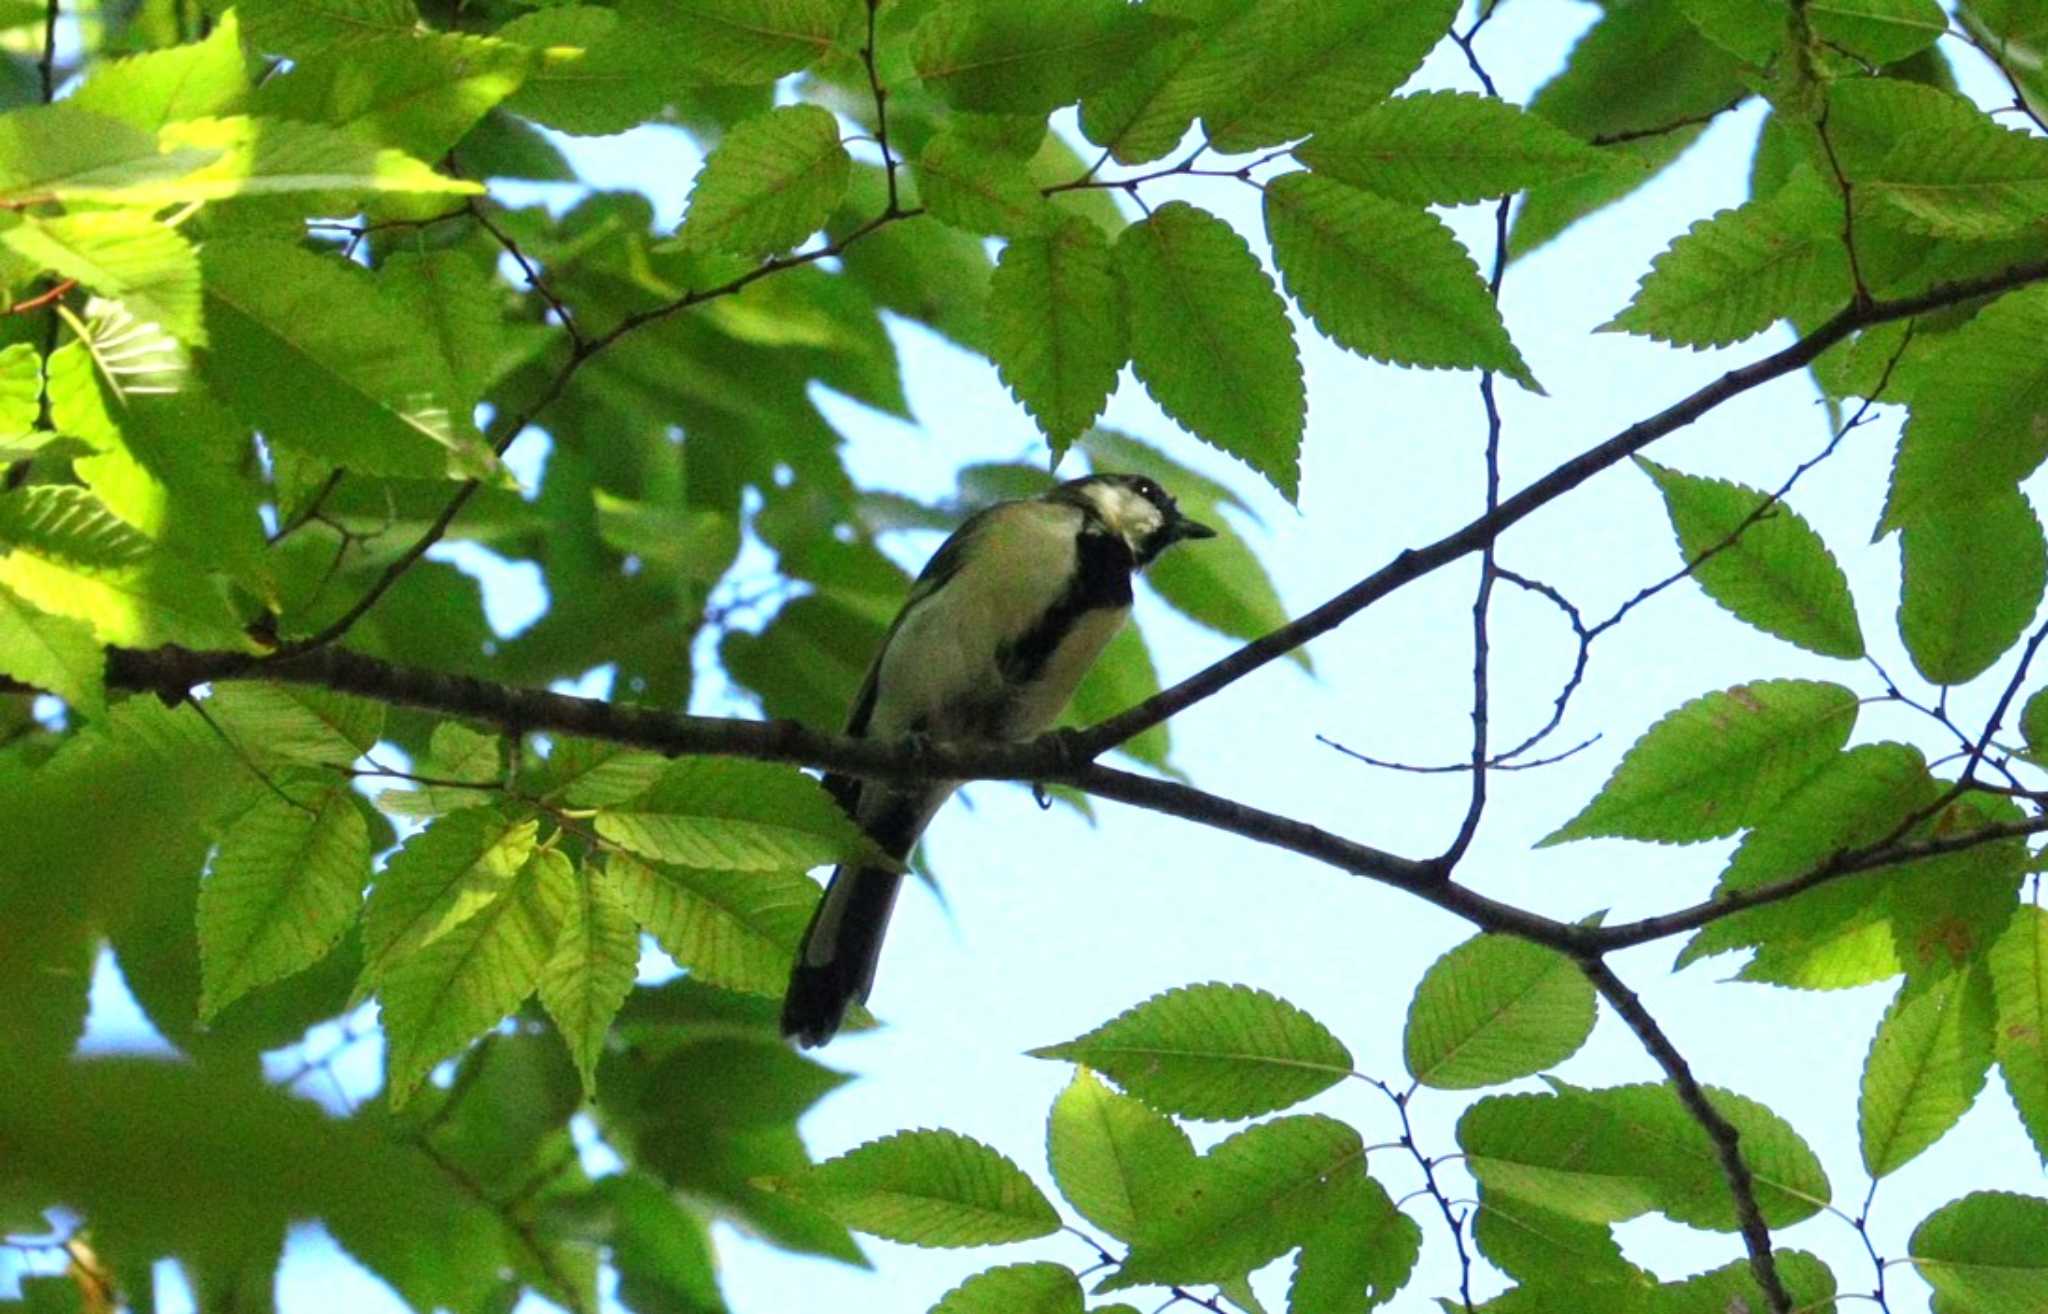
<point x="1136" y="508"/>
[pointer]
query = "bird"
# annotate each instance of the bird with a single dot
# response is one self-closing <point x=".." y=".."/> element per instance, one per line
<point x="995" y="636"/>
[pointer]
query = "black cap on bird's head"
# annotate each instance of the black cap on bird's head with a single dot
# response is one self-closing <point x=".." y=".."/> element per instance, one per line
<point x="1137" y="508"/>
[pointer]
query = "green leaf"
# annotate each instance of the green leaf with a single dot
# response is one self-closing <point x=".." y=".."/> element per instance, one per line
<point x="443" y="876"/>
<point x="70" y="557"/>
<point x="455" y="752"/>
<point x="1385" y="279"/>
<point x="591" y="970"/>
<point x="994" y="57"/>
<point x="1605" y="1156"/>
<point x="1719" y="763"/>
<point x="927" y="1188"/>
<point x="1145" y="109"/>
<point x="461" y="307"/>
<point x="53" y="653"/>
<point x="1973" y="430"/>
<point x="590" y="773"/>
<point x="595" y="73"/>
<point x="732" y="814"/>
<point x="1972" y="180"/>
<point x="1364" y="1245"/>
<point x="304" y="27"/>
<point x="1639" y="68"/>
<point x="1772" y="571"/>
<point x="1542" y="1247"/>
<point x="1880" y="31"/>
<point x="420" y="93"/>
<point x="661" y="1250"/>
<point x="1734" y="275"/>
<point x="1117" y="1161"/>
<point x="1733" y="1286"/>
<point x="734" y="929"/>
<point x="305" y="349"/>
<point x="286" y="882"/>
<point x="2018" y="964"/>
<point x="770" y="184"/>
<point x="1973" y="579"/>
<point x="454" y="987"/>
<point x="296" y="722"/>
<point x="2034" y="722"/>
<point x="1056" y="327"/>
<point x="1927" y="1063"/>
<point x="1039" y="1288"/>
<point x="1986" y="1253"/>
<point x="21" y="393"/>
<point x="1254" y="1197"/>
<point x="738" y="41"/>
<point x="1288" y="68"/>
<point x="125" y="256"/>
<point x="1212" y="1051"/>
<point x="1493" y="1009"/>
<point x="970" y="187"/>
<point x="1211" y="341"/>
<point x="194" y="81"/>
<point x="1447" y="148"/>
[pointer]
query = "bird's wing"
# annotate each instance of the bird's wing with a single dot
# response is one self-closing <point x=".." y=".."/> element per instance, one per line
<point x="943" y="566"/>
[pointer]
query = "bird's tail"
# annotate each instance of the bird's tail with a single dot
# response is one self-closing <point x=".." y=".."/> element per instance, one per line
<point x="835" y="964"/>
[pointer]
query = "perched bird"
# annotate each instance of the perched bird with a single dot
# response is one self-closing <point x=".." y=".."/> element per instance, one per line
<point x="1007" y="617"/>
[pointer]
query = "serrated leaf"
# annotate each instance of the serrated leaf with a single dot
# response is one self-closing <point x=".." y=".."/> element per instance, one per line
<point x="125" y="256"/>
<point x="71" y="557"/>
<point x="1385" y="279"/>
<point x="420" y="93"/>
<point x="927" y="1188"/>
<point x="1117" y="1161"/>
<point x="189" y="81"/>
<point x="1775" y="574"/>
<point x="737" y="815"/>
<point x="1719" y="763"/>
<point x="456" y="301"/>
<point x="1493" y="1009"/>
<point x="769" y="184"/>
<point x="1257" y="1195"/>
<point x="1288" y="68"/>
<point x="304" y="27"/>
<point x="738" y="41"/>
<point x="21" y="396"/>
<point x="1986" y="1253"/>
<point x="296" y="723"/>
<point x="1605" y="1156"/>
<point x="1210" y="339"/>
<point x="1541" y="1247"/>
<point x="982" y="191"/>
<point x="1638" y="68"/>
<point x="455" y="752"/>
<point x="284" y="885"/>
<point x="735" y="929"/>
<point x="590" y="773"/>
<point x="53" y="653"/>
<point x="1976" y="427"/>
<point x="443" y="876"/>
<point x="1212" y="1051"/>
<point x="1365" y="1247"/>
<point x="1447" y="148"/>
<point x="2018" y="965"/>
<point x="994" y="57"/>
<point x="1734" y="275"/>
<point x="306" y="349"/>
<point x="595" y="73"/>
<point x="591" y="970"/>
<point x="454" y="987"/>
<point x="1926" y="1065"/>
<point x="1880" y="31"/>
<point x="1972" y="580"/>
<point x="2034" y="722"/>
<point x="1978" y="183"/>
<point x="1056" y="327"/>
<point x="1039" y="1288"/>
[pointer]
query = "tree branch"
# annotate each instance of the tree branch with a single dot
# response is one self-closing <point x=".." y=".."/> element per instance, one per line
<point x="1414" y="563"/>
<point x="1756" y="1236"/>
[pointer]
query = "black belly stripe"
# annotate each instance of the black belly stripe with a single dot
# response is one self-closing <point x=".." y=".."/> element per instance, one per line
<point x="1102" y="578"/>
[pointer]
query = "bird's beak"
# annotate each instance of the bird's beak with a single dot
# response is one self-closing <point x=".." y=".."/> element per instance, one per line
<point x="1184" y="528"/>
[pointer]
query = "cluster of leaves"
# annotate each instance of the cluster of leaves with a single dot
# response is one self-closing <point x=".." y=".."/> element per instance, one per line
<point x="265" y="348"/>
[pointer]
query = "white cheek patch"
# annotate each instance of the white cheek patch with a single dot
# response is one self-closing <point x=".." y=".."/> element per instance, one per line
<point x="1132" y="516"/>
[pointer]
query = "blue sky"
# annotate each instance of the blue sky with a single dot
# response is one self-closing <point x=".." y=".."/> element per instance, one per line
<point x="1051" y="926"/>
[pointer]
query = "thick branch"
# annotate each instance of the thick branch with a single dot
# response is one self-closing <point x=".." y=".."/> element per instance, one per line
<point x="1756" y="1236"/>
<point x="1417" y="562"/>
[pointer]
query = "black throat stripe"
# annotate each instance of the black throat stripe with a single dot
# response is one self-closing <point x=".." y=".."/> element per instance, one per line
<point x="1102" y="578"/>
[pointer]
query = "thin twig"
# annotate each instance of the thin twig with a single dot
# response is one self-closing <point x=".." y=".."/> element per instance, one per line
<point x="46" y="67"/>
<point x="1756" y="1235"/>
<point x="1665" y="129"/>
<point x="1430" y="1187"/>
<point x="881" y="96"/>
